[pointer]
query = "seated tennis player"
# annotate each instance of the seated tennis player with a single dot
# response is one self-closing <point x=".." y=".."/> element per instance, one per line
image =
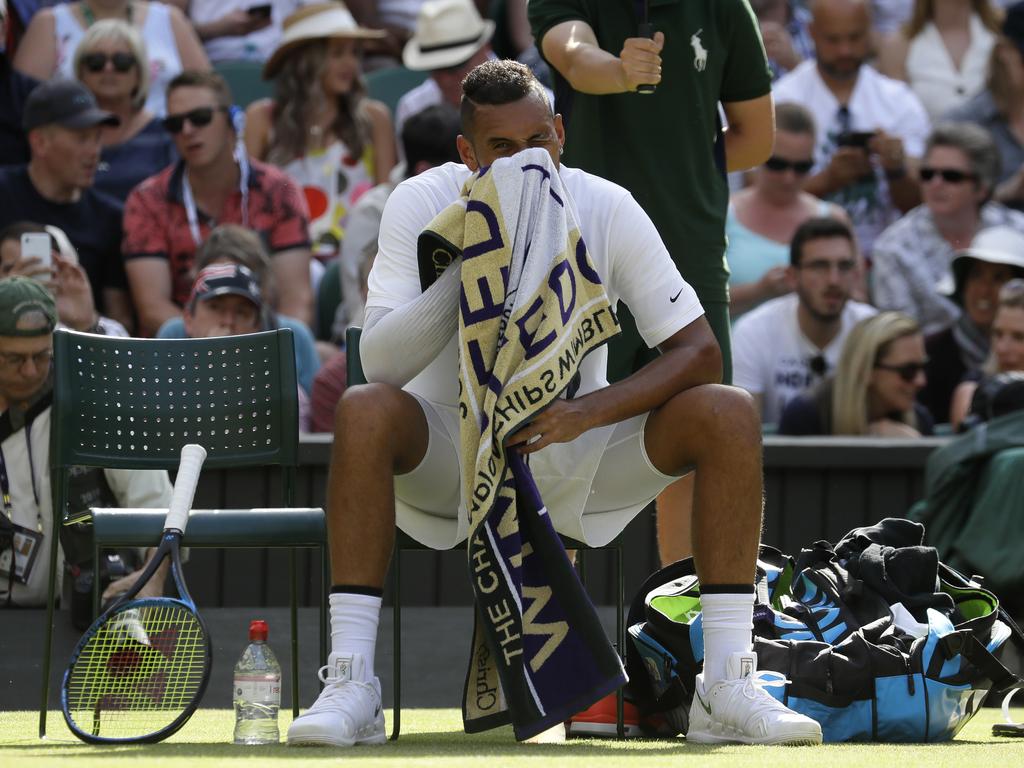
<point x="596" y="454"/>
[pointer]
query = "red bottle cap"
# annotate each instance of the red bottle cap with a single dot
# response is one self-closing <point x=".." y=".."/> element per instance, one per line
<point x="258" y="630"/>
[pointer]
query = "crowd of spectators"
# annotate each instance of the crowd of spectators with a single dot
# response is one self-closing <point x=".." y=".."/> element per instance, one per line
<point x="869" y="256"/>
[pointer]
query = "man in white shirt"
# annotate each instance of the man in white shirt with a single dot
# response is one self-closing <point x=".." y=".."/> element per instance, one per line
<point x="871" y="128"/>
<point x="788" y="344"/>
<point x="597" y="458"/>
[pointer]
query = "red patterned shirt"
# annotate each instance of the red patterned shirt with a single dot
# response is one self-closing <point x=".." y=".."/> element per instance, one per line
<point x="155" y="222"/>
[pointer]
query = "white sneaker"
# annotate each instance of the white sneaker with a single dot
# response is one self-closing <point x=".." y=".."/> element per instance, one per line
<point x="740" y="710"/>
<point x="348" y="710"/>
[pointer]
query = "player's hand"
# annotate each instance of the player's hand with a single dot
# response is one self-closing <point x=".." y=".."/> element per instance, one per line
<point x="778" y="44"/>
<point x="561" y="422"/>
<point x="846" y="166"/>
<point x="888" y="149"/>
<point x="641" y="61"/>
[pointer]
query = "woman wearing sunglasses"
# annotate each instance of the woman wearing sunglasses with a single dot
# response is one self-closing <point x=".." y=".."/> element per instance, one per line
<point x="1006" y="344"/>
<point x="320" y="128"/>
<point x="762" y="218"/>
<point x="54" y="34"/>
<point x="111" y="62"/>
<point x="874" y="389"/>
<point x="958" y="173"/>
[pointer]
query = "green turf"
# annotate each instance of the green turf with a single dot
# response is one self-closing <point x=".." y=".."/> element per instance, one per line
<point x="433" y="737"/>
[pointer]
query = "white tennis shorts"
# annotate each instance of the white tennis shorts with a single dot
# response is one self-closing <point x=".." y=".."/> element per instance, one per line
<point x="592" y="487"/>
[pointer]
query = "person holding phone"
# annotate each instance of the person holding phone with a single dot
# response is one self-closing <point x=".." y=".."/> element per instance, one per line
<point x="240" y="30"/>
<point x="871" y="128"/>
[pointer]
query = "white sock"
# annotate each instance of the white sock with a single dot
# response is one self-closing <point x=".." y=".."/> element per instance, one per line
<point x="728" y="620"/>
<point x="354" y="619"/>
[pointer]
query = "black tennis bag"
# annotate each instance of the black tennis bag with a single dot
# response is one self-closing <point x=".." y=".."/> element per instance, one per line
<point x="874" y="638"/>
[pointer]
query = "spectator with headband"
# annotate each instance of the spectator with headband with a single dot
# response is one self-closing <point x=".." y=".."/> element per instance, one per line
<point x="168" y="216"/>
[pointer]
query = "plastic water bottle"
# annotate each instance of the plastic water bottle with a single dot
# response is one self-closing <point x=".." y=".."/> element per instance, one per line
<point x="257" y="690"/>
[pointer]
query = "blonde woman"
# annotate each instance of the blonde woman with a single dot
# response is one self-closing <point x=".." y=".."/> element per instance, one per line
<point x="320" y="128"/>
<point x="54" y="33"/>
<point x="874" y="390"/>
<point x="111" y="62"/>
<point x="1006" y="348"/>
<point x="943" y="51"/>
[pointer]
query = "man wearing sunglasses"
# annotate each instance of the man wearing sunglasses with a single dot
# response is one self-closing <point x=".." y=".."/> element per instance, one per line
<point x="788" y="344"/>
<point x="169" y="215"/>
<point x="871" y="128"/>
<point x="64" y="125"/>
<point x="915" y="255"/>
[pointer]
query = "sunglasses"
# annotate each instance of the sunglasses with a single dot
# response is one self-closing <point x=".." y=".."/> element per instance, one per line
<point x="780" y="164"/>
<point x="950" y="175"/>
<point x="197" y="117"/>
<point x="97" y="62"/>
<point x="906" y="371"/>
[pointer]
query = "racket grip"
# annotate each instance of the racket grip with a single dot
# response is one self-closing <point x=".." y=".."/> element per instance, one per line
<point x="192" y="458"/>
<point x="645" y="29"/>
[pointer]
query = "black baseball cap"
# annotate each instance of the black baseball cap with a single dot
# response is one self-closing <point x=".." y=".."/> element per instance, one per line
<point x="66" y="103"/>
<point x="1013" y="25"/>
<point x="221" y="279"/>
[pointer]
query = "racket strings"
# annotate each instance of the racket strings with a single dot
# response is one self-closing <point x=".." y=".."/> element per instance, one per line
<point x="141" y="669"/>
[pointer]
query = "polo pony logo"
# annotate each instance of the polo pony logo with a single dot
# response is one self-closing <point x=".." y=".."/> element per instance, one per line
<point x="700" y="53"/>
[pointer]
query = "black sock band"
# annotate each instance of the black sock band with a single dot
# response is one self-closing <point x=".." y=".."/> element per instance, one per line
<point x="356" y="589"/>
<point x="723" y="589"/>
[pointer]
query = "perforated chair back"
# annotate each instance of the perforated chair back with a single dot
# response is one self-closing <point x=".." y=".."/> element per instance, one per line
<point x="133" y="403"/>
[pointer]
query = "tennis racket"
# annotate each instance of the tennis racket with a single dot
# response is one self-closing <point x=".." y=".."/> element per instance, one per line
<point x="140" y="670"/>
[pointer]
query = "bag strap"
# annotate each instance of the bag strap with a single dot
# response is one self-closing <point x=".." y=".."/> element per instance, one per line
<point x="971" y="648"/>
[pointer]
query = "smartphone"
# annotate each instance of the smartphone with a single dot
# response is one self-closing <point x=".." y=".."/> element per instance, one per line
<point x="39" y="245"/>
<point x="262" y="11"/>
<point x="855" y="138"/>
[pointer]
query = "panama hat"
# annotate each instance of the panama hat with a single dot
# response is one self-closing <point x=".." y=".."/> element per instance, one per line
<point x="447" y="33"/>
<point x="320" y="21"/>
<point x="995" y="245"/>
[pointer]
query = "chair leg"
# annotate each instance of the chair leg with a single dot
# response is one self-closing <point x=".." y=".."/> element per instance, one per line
<point x="396" y="717"/>
<point x="294" y="589"/>
<point x="620" y="639"/>
<point x="44" y="693"/>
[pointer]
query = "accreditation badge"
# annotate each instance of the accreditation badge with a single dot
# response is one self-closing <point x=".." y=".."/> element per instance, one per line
<point x="24" y="549"/>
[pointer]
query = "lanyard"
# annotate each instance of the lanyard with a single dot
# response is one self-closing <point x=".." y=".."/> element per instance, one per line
<point x="188" y="200"/>
<point x="5" y="483"/>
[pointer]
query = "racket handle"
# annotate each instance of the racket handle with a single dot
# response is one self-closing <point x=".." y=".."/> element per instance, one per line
<point x="192" y="458"/>
<point x="645" y="29"/>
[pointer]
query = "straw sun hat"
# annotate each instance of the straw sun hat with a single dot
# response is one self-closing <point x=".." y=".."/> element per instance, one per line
<point x="321" y="21"/>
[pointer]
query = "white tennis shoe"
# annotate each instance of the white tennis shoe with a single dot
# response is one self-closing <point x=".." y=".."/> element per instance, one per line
<point x="738" y="710"/>
<point x="347" y="711"/>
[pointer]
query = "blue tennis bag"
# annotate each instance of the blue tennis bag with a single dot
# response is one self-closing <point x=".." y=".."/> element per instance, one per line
<point x="875" y="638"/>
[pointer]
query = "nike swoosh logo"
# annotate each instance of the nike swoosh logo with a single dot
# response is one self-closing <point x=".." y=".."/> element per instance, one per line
<point x="707" y="709"/>
<point x="673" y="299"/>
<point x="377" y="711"/>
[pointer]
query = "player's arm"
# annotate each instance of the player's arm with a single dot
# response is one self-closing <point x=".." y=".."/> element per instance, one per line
<point x="751" y="134"/>
<point x="572" y="48"/>
<point x="689" y="357"/>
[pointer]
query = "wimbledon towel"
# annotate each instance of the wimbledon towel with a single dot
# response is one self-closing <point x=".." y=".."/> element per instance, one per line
<point x="532" y="306"/>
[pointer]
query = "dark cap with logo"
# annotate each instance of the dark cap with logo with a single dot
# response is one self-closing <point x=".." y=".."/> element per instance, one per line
<point x="26" y="308"/>
<point x="221" y="279"/>
<point x="66" y="103"/>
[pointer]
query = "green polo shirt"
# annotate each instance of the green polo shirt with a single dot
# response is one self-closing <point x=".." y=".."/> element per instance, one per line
<point x="665" y="148"/>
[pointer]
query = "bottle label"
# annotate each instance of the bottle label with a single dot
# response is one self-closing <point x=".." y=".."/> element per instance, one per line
<point x="257" y="688"/>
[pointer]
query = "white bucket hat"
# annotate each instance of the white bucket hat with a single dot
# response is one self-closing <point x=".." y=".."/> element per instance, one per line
<point x="320" y="21"/>
<point x="995" y="245"/>
<point x="448" y="32"/>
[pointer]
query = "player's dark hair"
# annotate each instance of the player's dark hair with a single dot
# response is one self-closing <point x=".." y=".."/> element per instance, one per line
<point x="497" y="82"/>
<point x="816" y="228"/>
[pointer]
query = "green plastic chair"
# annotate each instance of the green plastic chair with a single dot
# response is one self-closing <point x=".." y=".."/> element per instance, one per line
<point x="245" y="79"/>
<point x="391" y="84"/>
<point x="133" y="403"/>
<point x="328" y="297"/>
<point x="355" y="376"/>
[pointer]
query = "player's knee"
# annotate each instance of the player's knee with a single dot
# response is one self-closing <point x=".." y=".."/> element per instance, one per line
<point x="723" y="412"/>
<point x="365" y="405"/>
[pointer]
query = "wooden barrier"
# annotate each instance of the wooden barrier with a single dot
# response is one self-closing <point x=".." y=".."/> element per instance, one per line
<point x="815" y="488"/>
